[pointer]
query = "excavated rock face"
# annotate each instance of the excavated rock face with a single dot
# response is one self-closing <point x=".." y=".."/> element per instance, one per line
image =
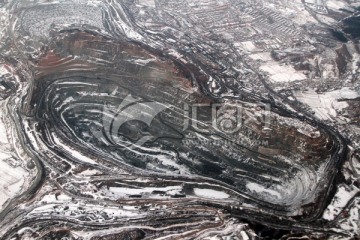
<point x="116" y="107"/>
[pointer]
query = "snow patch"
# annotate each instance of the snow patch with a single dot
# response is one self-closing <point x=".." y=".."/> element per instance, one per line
<point x="210" y="193"/>
<point x="257" y="188"/>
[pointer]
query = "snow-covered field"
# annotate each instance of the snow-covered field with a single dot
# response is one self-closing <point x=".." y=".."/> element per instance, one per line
<point x="326" y="105"/>
<point x="341" y="199"/>
<point x="12" y="175"/>
<point x="210" y="193"/>
<point x="282" y="73"/>
<point x="11" y="179"/>
<point x="149" y="3"/>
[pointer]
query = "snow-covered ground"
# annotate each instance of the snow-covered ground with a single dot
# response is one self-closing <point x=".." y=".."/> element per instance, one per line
<point x="341" y="199"/>
<point x="75" y="154"/>
<point x="336" y="5"/>
<point x="11" y="179"/>
<point x="210" y="193"/>
<point x="326" y="105"/>
<point x="12" y="174"/>
<point x="149" y="3"/>
<point x="4" y="16"/>
<point x="257" y="188"/>
<point x="121" y="192"/>
<point x="282" y="73"/>
<point x="63" y="206"/>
